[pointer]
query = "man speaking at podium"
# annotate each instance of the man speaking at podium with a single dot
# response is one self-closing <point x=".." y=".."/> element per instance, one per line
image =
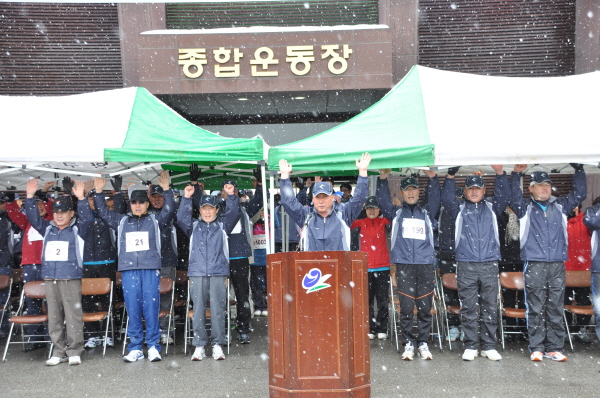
<point x="326" y="226"/>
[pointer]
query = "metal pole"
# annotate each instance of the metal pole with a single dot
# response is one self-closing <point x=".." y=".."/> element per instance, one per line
<point x="264" y="193"/>
<point x="272" y="209"/>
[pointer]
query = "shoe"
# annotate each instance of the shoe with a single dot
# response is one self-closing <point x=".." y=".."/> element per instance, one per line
<point x="218" y="352"/>
<point x="469" y="355"/>
<point x="91" y="343"/>
<point x="371" y="336"/>
<point x="583" y="336"/>
<point x="462" y="335"/>
<point x="134" y="355"/>
<point x="199" y="354"/>
<point x="166" y="339"/>
<point x="73" y="361"/>
<point x="55" y="361"/>
<point x="257" y="313"/>
<point x="153" y="354"/>
<point x="453" y="333"/>
<point x="424" y="352"/>
<point x="110" y="342"/>
<point x="555" y="356"/>
<point x="536" y="356"/>
<point x="409" y="352"/>
<point x="243" y="338"/>
<point x="382" y="336"/>
<point x="492" y="355"/>
<point x="265" y="313"/>
<point x="33" y="347"/>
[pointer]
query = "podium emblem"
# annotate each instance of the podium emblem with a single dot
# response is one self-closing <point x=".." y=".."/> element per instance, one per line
<point x="314" y="280"/>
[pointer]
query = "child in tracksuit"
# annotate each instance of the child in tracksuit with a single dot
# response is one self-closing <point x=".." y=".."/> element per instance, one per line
<point x="209" y="265"/>
<point x="412" y="255"/>
<point x="373" y="241"/>
<point x="258" y="268"/>
<point x="62" y="269"/>
<point x="140" y="263"/>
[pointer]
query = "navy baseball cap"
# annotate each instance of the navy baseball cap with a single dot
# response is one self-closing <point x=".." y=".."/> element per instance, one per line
<point x="540" y="177"/>
<point x="322" y="187"/>
<point x="64" y="203"/>
<point x="474" y="181"/>
<point x="139" y="195"/>
<point x="371" y="203"/>
<point x="209" y="200"/>
<point x="229" y="181"/>
<point x="157" y="190"/>
<point x="408" y="182"/>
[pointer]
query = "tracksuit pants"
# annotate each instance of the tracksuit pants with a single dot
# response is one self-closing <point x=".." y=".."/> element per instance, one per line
<point x="65" y="316"/>
<point x="239" y="269"/>
<point x="478" y="293"/>
<point x="379" y="288"/>
<point x="544" y="300"/>
<point x="205" y="289"/>
<point x="415" y="288"/>
<point x="141" y="290"/>
<point x="258" y="279"/>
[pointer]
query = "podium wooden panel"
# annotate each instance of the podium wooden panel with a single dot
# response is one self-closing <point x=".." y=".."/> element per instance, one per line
<point x="318" y="343"/>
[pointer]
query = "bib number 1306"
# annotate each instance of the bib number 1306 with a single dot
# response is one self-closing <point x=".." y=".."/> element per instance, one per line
<point x="136" y="241"/>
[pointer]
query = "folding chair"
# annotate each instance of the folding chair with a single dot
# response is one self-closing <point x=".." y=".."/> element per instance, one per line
<point x="511" y="281"/>
<point x="189" y="330"/>
<point x="34" y="290"/>
<point x="97" y="287"/>
<point x="577" y="279"/>
<point x="5" y="283"/>
<point x="167" y="285"/>
<point x="448" y="281"/>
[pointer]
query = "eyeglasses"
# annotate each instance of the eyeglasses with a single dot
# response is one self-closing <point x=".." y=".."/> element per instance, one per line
<point x="137" y="202"/>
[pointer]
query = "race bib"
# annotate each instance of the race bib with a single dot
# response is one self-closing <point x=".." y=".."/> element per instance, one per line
<point x="56" y="251"/>
<point x="259" y="241"/>
<point x="238" y="228"/>
<point x="34" y="235"/>
<point x="136" y="241"/>
<point x="413" y="228"/>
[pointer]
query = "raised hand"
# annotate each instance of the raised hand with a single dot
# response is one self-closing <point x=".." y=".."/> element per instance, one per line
<point x="32" y="187"/>
<point x="229" y="189"/>
<point x="78" y="190"/>
<point x="194" y="172"/>
<point x="519" y="168"/>
<point x="164" y="180"/>
<point x="430" y="173"/>
<point x="47" y="186"/>
<point x="99" y="184"/>
<point x="188" y="191"/>
<point x="285" y="168"/>
<point x="363" y="164"/>
<point x="67" y="185"/>
<point x="384" y="173"/>
<point x="117" y="183"/>
<point x="498" y="168"/>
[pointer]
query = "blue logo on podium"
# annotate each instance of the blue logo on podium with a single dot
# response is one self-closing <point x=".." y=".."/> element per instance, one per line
<point x="314" y="280"/>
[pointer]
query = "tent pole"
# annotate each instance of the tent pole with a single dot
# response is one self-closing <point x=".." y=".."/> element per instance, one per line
<point x="272" y="209"/>
<point x="263" y="181"/>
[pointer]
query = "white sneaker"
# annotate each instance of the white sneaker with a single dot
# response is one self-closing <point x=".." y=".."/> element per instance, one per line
<point x="166" y="339"/>
<point x="56" y="360"/>
<point x="74" y="361"/>
<point x="492" y="355"/>
<point x="469" y="355"/>
<point x="91" y="343"/>
<point x="217" y="352"/>
<point x="424" y="351"/>
<point x="371" y="336"/>
<point x="409" y="352"/>
<point x="199" y="354"/>
<point x="453" y="333"/>
<point x="257" y="312"/>
<point x="134" y="355"/>
<point x="110" y="342"/>
<point x="153" y="354"/>
<point x="265" y="313"/>
<point x="382" y="336"/>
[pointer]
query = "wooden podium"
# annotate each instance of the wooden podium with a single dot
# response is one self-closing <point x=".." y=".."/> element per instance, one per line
<point x="318" y="324"/>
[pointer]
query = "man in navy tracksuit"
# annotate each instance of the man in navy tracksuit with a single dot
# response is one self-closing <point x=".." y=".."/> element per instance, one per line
<point x="62" y="269"/>
<point x="543" y="225"/>
<point x="412" y="250"/>
<point x="239" y="251"/>
<point x="209" y="265"/>
<point x="477" y="254"/>
<point x="592" y="221"/>
<point x="139" y="252"/>
<point x="327" y="224"/>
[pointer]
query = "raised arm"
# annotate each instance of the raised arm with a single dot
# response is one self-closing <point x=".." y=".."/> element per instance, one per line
<point x="579" y="192"/>
<point x="168" y="211"/>
<point x="592" y="217"/>
<point x="434" y="194"/>
<point x="31" y="210"/>
<point x="111" y="218"/>
<point x="384" y="198"/>
<point x="85" y="220"/>
<point x="254" y="205"/>
<point x="232" y="209"/>
<point x="354" y="206"/>
<point x="292" y="206"/>
<point x="501" y="190"/>
<point x="449" y="200"/>
<point x="184" y="213"/>
<point x="517" y="203"/>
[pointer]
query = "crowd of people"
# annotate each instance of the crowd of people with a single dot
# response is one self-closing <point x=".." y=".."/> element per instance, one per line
<point x="409" y="238"/>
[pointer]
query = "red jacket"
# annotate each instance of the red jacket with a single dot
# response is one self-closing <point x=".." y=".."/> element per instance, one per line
<point x="373" y="240"/>
<point x="579" y="245"/>
<point x="32" y="251"/>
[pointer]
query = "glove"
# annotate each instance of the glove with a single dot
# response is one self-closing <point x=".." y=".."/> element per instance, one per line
<point x="10" y="196"/>
<point x="67" y="185"/>
<point x="577" y="166"/>
<point x="453" y="170"/>
<point x="415" y="175"/>
<point x="42" y="195"/>
<point x="117" y="183"/>
<point x="194" y="172"/>
<point x="257" y="174"/>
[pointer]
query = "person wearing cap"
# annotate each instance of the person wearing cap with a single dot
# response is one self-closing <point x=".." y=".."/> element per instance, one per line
<point x="209" y="265"/>
<point x="327" y="224"/>
<point x="346" y="190"/>
<point x="62" y="268"/>
<point x="31" y="260"/>
<point x="240" y="249"/>
<point x="412" y="253"/>
<point x="373" y="241"/>
<point x="6" y="258"/>
<point x="543" y="226"/>
<point x="140" y="262"/>
<point x="477" y="255"/>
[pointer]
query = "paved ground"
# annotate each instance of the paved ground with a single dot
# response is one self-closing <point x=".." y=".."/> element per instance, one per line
<point x="245" y="374"/>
